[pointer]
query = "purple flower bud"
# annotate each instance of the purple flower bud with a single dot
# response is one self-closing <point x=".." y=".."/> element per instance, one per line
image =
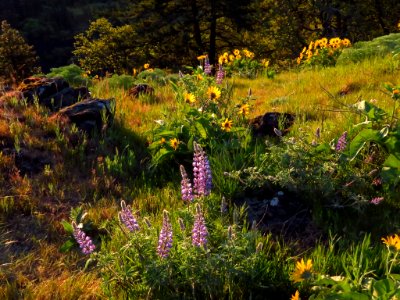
<point x="220" y="74"/>
<point x="85" y="243"/>
<point x="127" y="218"/>
<point x="165" y="238"/>
<point x="207" y="66"/>
<point x="199" y="232"/>
<point x="342" y="142"/>
<point x="186" y="186"/>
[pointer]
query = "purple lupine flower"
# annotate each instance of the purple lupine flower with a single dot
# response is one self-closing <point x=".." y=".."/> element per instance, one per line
<point x="207" y="66"/>
<point x="85" y="243"/>
<point x="127" y="218"/>
<point x="377" y="200"/>
<point x="165" y="238"/>
<point x="220" y="74"/>
<point x="342" y="142"/>
<point x="199" y="232"/>
<point x="202" y="178"/>
<point x="186" y="186"/>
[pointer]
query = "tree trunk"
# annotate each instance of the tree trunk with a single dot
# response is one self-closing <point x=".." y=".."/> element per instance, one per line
<point x="196" y="26"/>
<point x="213" y="33"/>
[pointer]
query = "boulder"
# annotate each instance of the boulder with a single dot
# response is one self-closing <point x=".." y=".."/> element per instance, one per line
<point x="140" y="89"/>
<point x="41" y="87"/>
<point x="91" y="115"/>
<point x="264" y="125"/>
<point x="65" y="97"/>
<point x="53" y="93"/>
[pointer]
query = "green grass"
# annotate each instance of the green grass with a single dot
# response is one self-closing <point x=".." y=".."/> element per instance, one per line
<point x="96" y="174"/>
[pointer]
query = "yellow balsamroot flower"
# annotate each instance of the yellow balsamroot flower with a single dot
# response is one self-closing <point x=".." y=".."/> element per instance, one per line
<point x="201" y="57"/>
<point x="174" y="143"/>
<point x="244" y="110"/>
<point x="323" y="42"/>
<point x="146" y="66"/>
<point x="296" y="296"/>
<point x="226" y="125"/>
<point x="346" y="43"/>
<point x="213" y="93"/>
<point x="265" y="63"/>
<point x="222" y="59"/>
<point x="189" y="97"/>
<point x="238" y="56"/>
<point x="162" y="141"/>
<point x="236" y="52"/>
<point x="303" y="271"/>
<point x="392" y="242"/>
<point x="231" y="57"/>
<point x="246" y="53"/>
<point x="199" y="77"/>
<point x="311" y="45"/>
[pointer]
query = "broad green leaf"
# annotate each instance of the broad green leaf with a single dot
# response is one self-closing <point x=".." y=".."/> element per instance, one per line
<point x="364" y="136"/>
<point x="200" y="129"/>
<point x="373" y="112"/>
<point x="67" y="226"/>
<point x="383" y="288"/>
<point x="67" y="246"/>
<point x="392" y="161"/>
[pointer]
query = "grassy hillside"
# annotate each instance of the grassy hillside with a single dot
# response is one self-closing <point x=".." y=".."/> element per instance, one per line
<point x="51" y="172"/>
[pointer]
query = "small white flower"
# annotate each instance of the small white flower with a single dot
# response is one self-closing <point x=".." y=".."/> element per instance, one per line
<point x="160" y="122"/>
<point x="280" y="193"/>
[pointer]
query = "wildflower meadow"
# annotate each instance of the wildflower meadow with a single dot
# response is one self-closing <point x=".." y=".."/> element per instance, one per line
<point x="233" y="179"/>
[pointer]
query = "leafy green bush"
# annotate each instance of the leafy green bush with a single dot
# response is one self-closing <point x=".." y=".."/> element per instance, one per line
<point x="322" y="52"/>
<point x="119" y="81"/>
<point x="378" y="47"/>
<point x="73" y="74"/>
<point x="204" y="114"/>
<point x="106" y="49"/>
<point x="17" y="59"/>
<point x="156" y="75"/>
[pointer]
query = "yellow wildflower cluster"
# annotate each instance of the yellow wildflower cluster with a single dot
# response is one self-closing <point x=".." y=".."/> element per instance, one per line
<point x="236" y="54"/>
<point x="315" y="47"/>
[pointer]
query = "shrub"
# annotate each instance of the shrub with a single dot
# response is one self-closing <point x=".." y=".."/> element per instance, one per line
<point x="242" y="63"/>
<point x="104" y="48"/>
<point x="378" y="47"/>
<point x="17" y="59"/>
<point x="322" y="52"/>
<point x="73" y="74"/>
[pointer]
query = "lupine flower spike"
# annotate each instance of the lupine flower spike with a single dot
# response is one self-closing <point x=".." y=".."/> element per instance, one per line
<point x="127" y="218"/>
<point x="85" y="243"/>
<point x="220" y="74"/>
<point x="165" y="238"/>
<point x="342" y="142"/>
<point x="202" y="181"/>
<point x="199" y="232"/>
<point x="186" y="186"/>
<point x="207" y="66"/>
<point x="377" y="200"/>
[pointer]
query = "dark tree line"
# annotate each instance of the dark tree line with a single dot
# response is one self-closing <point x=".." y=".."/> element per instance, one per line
<point x="173" y="33"/>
